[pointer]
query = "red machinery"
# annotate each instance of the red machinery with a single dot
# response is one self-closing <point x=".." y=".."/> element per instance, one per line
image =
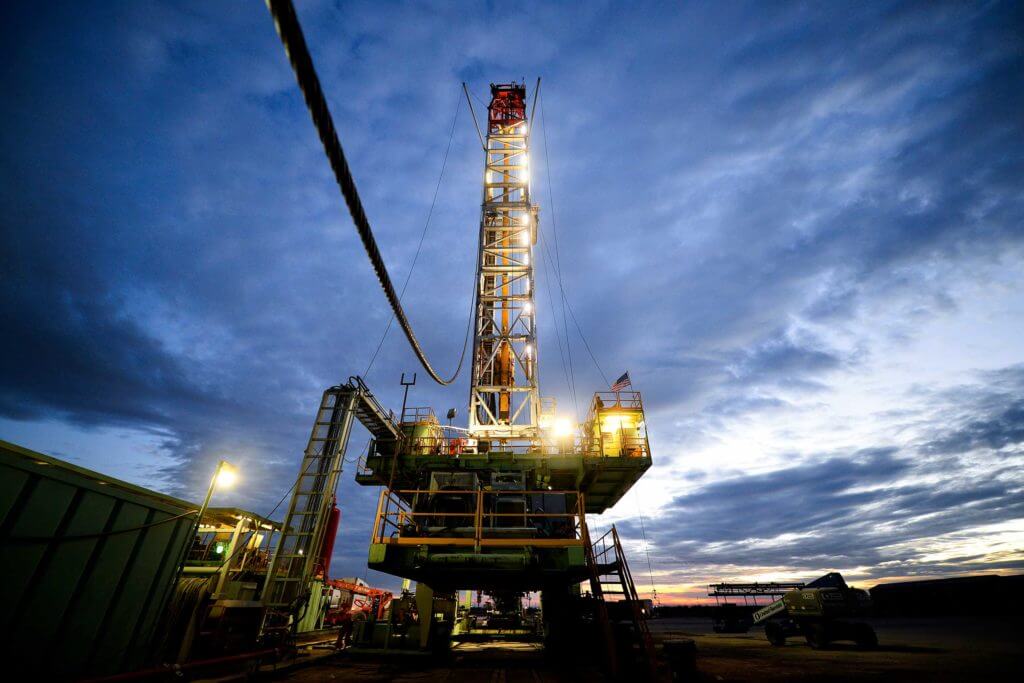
<point x="327" y="547"/>
<point x="508" y="106"/>
<point x="351" y="601"/>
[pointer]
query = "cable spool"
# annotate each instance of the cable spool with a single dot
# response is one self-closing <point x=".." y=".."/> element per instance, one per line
<point x="190" y="595"/>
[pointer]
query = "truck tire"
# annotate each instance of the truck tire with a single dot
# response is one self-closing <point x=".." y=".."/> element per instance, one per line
<point x="865" y="636"/>
<point x="817" y="636"/>
<point x="775" y="634"/>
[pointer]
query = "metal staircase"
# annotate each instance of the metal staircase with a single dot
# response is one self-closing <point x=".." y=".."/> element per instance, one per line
<point x="378" y="420"/>
<point x="610" y="576"/>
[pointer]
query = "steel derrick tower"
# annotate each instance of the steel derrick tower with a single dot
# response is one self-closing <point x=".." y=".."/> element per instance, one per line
<point x="504" y="402"/>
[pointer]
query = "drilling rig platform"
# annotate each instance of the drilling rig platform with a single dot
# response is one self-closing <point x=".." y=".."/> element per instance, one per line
<point x="499" y="506"/>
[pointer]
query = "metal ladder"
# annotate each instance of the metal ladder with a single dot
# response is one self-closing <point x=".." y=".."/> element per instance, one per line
<point x="298" y="549"/>
<point x="610" y="576"/>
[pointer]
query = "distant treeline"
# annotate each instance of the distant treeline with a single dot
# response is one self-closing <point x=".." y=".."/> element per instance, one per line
<point x="964" y="596"/>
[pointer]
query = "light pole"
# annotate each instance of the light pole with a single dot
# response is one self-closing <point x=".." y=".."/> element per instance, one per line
<point x="224" y="476"/>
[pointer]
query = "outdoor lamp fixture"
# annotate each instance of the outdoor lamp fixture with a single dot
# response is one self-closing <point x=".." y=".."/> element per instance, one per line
<point x="562" y="428"/>
<point x="224" y="477"/>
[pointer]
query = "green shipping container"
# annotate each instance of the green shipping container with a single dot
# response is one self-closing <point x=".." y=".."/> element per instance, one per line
<point x="87" y="562"/>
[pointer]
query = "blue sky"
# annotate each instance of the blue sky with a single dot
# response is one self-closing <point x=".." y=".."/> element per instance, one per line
<point x="799" y="227"/>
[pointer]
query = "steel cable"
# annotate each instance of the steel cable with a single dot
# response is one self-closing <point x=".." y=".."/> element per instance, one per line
<point x="557" y="265"/>
<point x="566" y="305"/>
<point x="423" y="237"/>
<point x="290" y="32"/>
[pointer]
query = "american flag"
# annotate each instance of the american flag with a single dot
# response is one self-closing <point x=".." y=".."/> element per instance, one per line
<point x="622" y="382"/>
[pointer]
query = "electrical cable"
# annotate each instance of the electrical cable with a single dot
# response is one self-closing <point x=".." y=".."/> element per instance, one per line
<point x="472" y="113"/>
<point x="554" y="231"/>
<point x="647" y="550"/>
<point x="102" y="534"/>
<point x="585" y="343"/>
<point x="242" y="546"/>
<point x="423" y="236"/>
<point x="290" y="32"/>
<point x="554" y="321"/>
<point x="567" y="305"/>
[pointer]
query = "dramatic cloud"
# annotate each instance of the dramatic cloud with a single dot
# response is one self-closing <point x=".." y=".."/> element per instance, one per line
<point x="800" y="229"/>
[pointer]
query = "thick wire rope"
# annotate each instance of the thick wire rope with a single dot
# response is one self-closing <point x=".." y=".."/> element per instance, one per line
<point x="423" y="237"/>
<point x="290" y="32"/>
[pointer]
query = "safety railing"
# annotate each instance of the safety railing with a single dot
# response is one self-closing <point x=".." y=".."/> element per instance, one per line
<point x="619" y="445"/>
<point x="443" y="445"/>
<point x="417" y="415"/>
<point x="606" y="548"/>
<point x="463" y="445"/>
<point x="483" y="520"/>
<point x="209" y="547"/>
<point x="617" y="399"/>
<point x="214" y="549"/>
<point x="362" y="469"/>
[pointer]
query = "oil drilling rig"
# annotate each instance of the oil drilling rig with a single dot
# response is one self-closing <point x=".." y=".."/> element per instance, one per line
<point x="500" y="505"/>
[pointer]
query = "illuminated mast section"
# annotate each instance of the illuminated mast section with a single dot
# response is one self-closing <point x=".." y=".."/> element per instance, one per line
<point x="504" y="403"/>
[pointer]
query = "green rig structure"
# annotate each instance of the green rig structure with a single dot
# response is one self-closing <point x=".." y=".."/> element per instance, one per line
<point x="499" y="506"/>
<point x="456" y="516"/>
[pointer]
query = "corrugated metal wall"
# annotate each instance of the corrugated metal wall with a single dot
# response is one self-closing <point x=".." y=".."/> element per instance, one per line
<point x="87" y="565"/>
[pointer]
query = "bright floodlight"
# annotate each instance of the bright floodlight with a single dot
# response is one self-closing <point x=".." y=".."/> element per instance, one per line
<point x="562" y="428"/>
<point x="227" y="475"/>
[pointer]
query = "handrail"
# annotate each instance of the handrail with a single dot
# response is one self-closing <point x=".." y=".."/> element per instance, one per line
<point x="617" y="399"/>
<point x="362" y="469"/>
<point x="588" y="446"/>
<point x="397" y="523"/>
<point x="416" y="414"/>
<point x="485" y="491"/>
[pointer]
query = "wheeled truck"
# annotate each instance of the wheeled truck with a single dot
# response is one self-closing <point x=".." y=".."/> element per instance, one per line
<point x="821" y="612"/>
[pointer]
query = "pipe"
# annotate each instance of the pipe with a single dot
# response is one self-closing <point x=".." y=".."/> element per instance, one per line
<point x="175" y="669"/>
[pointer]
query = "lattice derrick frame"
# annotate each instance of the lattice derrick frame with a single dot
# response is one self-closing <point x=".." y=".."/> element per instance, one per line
<point x="505" y="327"/>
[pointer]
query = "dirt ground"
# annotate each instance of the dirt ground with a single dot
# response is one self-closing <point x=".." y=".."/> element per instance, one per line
<point x="934" y="650"/>
<point x="953" y="649"/>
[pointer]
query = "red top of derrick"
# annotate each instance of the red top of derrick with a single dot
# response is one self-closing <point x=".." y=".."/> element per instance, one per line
<point x="508" y="105"/>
